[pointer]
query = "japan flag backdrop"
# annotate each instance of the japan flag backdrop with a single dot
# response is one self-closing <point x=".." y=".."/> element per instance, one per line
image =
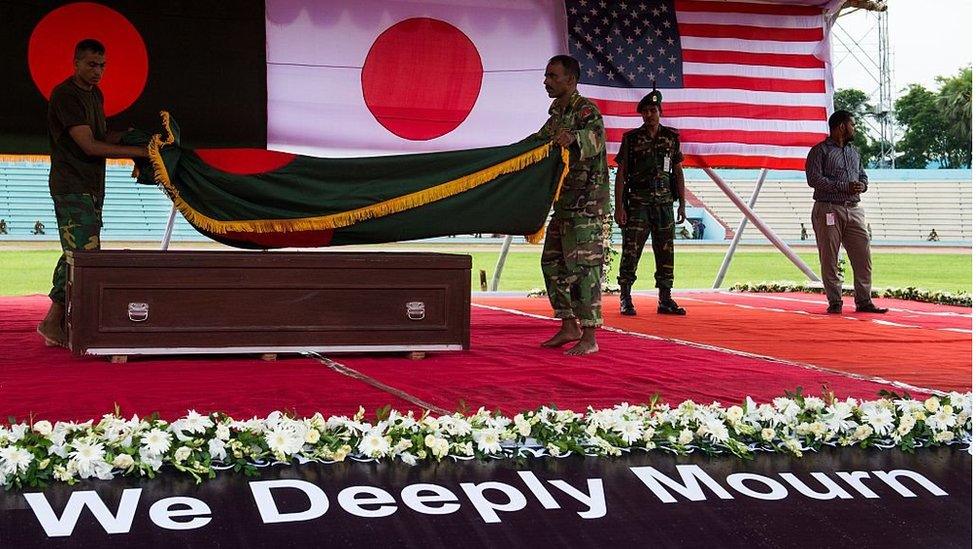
<point x="379" y="77"/>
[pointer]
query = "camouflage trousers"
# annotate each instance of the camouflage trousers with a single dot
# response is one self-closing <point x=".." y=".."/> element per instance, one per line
<point x="572" y="264"/>
<point x="79" y="224"/>
<point x="656" y="221"/>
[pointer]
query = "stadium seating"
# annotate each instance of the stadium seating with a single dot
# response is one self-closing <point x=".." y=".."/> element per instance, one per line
<point x="131" y="212"/>
<point x="901" y="207"/>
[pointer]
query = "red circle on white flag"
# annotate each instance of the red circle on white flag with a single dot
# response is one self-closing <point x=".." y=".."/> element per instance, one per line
<point x="51" y="48"/>
<point x="421" y="78"/>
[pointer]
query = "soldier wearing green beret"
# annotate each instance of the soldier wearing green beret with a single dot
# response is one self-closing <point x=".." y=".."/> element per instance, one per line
<point x="649" y="180"/>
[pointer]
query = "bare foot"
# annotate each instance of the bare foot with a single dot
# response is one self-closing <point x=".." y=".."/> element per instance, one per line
<point x="587" y="343"/>
<point x="569" y="332"/>
<point x="52" y="327"/>
<point x="52" y="337"/>
<point x="583" y="348"/>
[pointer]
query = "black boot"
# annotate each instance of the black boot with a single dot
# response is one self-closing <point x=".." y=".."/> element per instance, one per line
<point x="666" y="305"/>
<point x="626" y="303"/>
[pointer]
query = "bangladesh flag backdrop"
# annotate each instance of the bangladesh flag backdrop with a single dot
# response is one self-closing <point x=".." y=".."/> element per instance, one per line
<point x="204" y="61"/>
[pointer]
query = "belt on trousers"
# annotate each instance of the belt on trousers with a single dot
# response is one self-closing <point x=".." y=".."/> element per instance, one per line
<point x="845" y="203"/>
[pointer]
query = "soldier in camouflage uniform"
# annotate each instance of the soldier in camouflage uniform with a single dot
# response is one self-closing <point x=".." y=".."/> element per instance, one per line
<point x="649" y="179"/>
<point x="572" y="256"/>
<point x="80" y="143"/>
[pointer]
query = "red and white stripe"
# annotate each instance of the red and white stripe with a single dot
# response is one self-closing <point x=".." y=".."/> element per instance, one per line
<point x="756" y="88"/>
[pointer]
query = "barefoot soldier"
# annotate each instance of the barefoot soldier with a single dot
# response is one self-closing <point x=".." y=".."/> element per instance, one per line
<point x="572" y="256"/>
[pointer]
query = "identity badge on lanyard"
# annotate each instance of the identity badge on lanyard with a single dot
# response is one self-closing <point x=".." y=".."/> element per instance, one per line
<point x="667" y="163"/>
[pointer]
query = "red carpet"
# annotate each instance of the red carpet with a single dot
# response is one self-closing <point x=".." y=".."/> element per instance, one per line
<point x="505" y="370"/>
<point x="920" y="344"/>
<point x="51" y="383"/>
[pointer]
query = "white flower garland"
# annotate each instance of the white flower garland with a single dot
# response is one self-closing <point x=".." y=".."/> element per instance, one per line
<point x="33" y="454"/>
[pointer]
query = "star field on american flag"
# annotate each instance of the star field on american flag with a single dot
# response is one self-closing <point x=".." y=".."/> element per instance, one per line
<point x="629" y="44"/>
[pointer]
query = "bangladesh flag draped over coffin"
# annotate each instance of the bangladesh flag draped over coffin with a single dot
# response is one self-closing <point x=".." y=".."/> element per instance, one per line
<point x="261" y="199"/>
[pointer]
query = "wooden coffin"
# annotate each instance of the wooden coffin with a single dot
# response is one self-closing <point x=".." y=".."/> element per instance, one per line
<point x="129" y="302"/>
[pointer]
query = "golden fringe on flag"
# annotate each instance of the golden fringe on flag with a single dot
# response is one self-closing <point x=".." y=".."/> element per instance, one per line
<point x="345" y="219"/>
<point x="46" y="159"/>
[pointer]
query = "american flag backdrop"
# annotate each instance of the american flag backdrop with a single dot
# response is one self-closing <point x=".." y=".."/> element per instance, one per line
<point x="745" y="83"/>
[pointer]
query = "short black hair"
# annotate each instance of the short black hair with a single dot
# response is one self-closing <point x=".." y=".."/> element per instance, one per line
<point x="91" y="45"/>
<point x="569" y="63"/>
<point x="839" y="118"/>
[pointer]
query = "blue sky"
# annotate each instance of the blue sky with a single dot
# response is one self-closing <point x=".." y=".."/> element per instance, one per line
<point x="927" y="38"/>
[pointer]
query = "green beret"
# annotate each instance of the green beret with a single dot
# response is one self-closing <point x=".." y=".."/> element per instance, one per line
<point x="651" y="99"/>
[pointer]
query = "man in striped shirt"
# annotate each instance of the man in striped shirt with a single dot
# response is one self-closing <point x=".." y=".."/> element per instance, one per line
<point x="834" y="171"/>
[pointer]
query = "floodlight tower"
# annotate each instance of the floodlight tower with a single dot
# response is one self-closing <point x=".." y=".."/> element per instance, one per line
<point x="876" y="63"/>
<point x="885" y="110"/>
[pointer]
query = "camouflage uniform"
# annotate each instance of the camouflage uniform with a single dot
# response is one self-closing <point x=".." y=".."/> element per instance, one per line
<point x="79" y="223"/>
<point x="649" y="195"/>
<point x="572" y="256"/>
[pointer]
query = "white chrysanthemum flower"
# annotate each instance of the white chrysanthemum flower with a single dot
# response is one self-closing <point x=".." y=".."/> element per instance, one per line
<point x="837" y="417"/>
<point x="961" y="401"/>
<point x="408" y="458"/>
<point x="522" y="425"/>
<point x="488" y="440"/>
<point x="374" y="444"/>
<point x="602" y="419"/>
<point x="768" y="434"/>
<point x="193" y="423"/>
<point x="157" y="441"/>
<point x="932" y="404"/>
<point x="285" y="439"/>
<point x="879" y="418"/>
<point x="685" y="437"/>
<point x="89" y="458"/>
<point x="630" y="430"/>
<point x="908" y="406"/>
<point x="13" y="460"/>
<point x="862" y="432"/>
<point x="941" y="420"/>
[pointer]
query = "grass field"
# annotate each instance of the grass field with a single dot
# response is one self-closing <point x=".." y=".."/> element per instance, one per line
<point x="29" y="271"/>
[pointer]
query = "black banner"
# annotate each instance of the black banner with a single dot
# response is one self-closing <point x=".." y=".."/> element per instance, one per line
<point x="202" y="60"/>
<point x="847" y="497"/>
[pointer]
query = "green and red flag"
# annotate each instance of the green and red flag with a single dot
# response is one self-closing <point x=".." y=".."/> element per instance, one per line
<point x="263" y="199"/>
